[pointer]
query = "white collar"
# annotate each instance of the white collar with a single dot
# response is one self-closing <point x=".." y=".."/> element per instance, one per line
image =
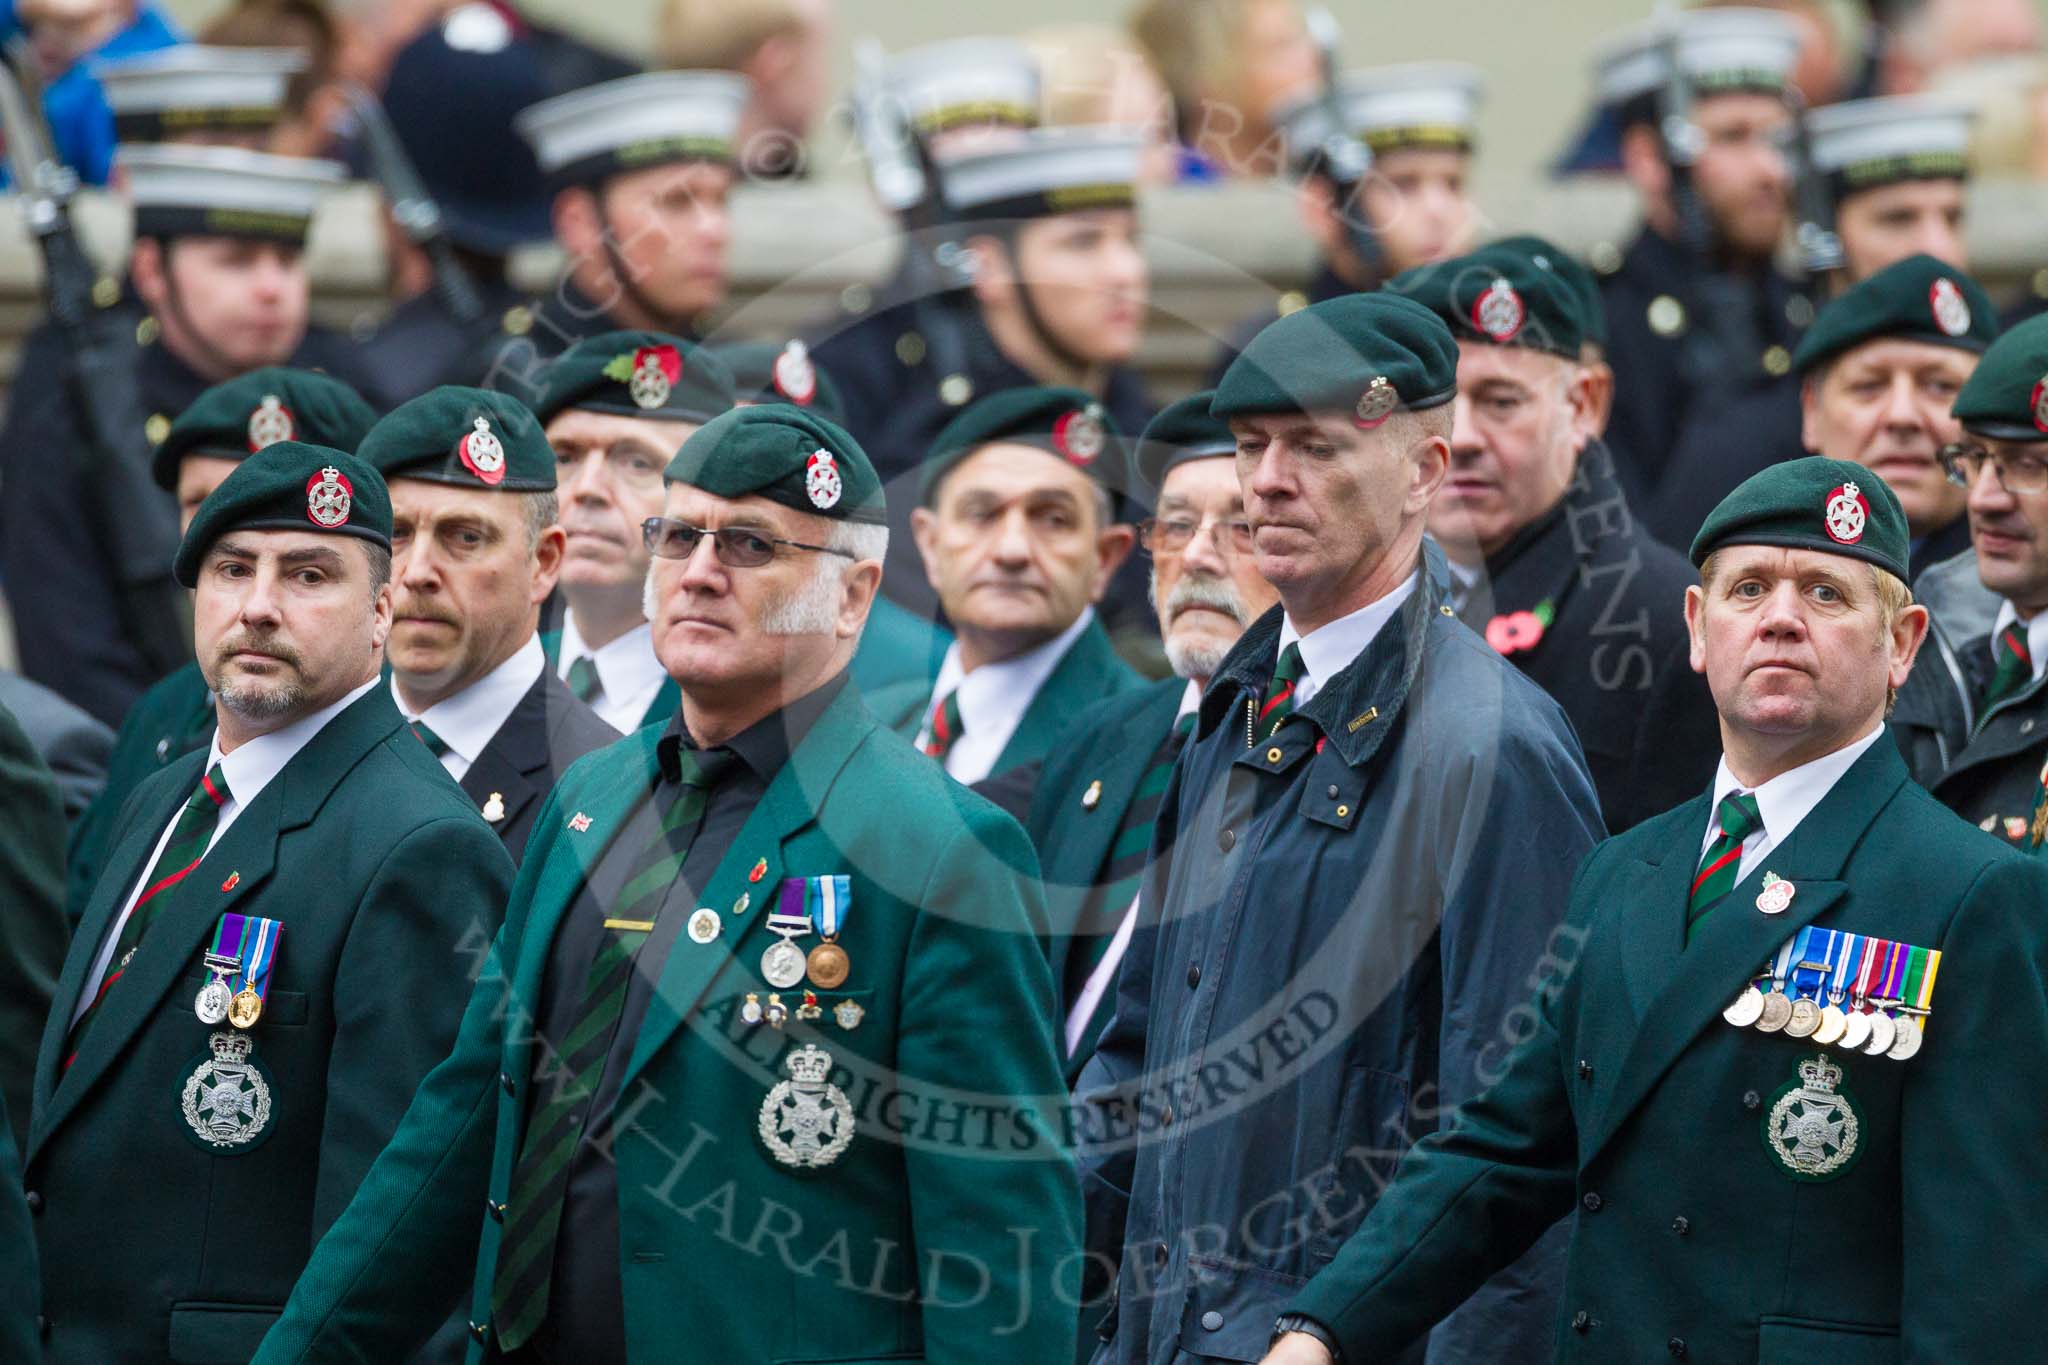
<point x="1790" y="797"/>
<point x="467" y="721"/>
<point x="252" y="765"/>
<point x="2037" y="634"/>
<point x="627" y="671"/>
<point x="1328" y="650"/>
<point x="1190" y="701"/>
<point x="994" y="698"/>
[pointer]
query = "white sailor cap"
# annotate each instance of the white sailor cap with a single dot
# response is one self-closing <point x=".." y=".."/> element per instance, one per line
<point x="1389" y="108"/>
<point x="966" y="82"/>
<point x="1863" y="144"/>
<point x="630" y="124"/>
<point x="1722" y="51"/>
<point x="1047" y="171"/>
<point x="193" y="89"/>
<point x="180" y="190"/>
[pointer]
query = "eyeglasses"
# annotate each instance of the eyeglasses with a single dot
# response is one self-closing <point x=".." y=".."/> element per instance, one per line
<point x="1173" y="535"/>
<point x="1964" y="462"/>
<point x="737" y="547"/>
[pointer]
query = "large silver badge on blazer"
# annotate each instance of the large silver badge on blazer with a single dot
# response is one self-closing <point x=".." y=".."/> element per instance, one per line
<point x="806" y="1121"/>
<point x="226" y="1101"/>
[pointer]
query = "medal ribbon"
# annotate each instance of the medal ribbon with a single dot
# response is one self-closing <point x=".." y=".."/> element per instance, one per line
<point x="794" y="918"/>
<point x="1781" y="966"/>
<point x="1811" y="960"/>
<point x="1866" y="973"/>
<point x="1847" y="956"/>
<point x="261" y="951"/>
<point x="230" y="936"/>
<point x="1920" y="978"/>
<point x="829" y="897"/>
<point x="1894" y="971"/>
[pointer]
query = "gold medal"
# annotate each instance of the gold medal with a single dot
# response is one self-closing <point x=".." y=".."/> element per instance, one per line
<point x="1833" y="1019"/>
<point x="245" y="1009"/>
<point x="828" y="966"/>
<point x="1777" y="1012"/>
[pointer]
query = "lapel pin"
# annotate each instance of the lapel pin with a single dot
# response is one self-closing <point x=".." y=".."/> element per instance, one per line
<point x="704" y="926"/>
<point x="234" y="880"/>
<point x="1092" y="798"/>
<point x="494" y="808"/>
<point x="847" y="1014"/>
<point x="739" y="907"/>
<point x="1776" y="895"/>
<point x="759" y="870"/>
<point x="579" y="822"/>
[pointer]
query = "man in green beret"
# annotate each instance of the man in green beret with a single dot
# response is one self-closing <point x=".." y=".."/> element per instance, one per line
<point x="1546" y="559"/>
<point x="272" y="958"/>
<point x="1019" y="539"/>
<point x="732" y="1001"/>
<point x="1094" y="804"/>
<point x="475" y="550"/>
<point x="1363" y="853"/>
<point x="223" y="426"/>
<point x="1752" y="1048"/>
<point x="1876" y="376"/>
<point x="616" y="408"/>
<point x="1970" y="719"/>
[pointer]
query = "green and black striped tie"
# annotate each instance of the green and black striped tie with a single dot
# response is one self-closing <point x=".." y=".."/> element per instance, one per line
<point x="566" y="1079"/>
<point x="583" y="680"/>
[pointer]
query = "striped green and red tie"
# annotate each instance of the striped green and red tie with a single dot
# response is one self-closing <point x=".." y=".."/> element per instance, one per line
<point x="945" y="728"/>
<point x="583" y="680"/>
<point x="565" y="1080"/>
<point x="1279" y="704"/>
<point x="187" y="846"/>
<point x="2014" y="668"/>
<point x="436" y="745"/>
<point x="1722" y="862"/>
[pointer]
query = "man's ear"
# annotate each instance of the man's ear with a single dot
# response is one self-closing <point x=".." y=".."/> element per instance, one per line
<point x="579" y="227"/>
<point x="995" y="273"/>
<point x="1642" y="160"/>
<point x="1431" y="456"/>
<point x="149" y="267"/>
<point x="924" y="529"/>
<point x="1695" y="629"/>
<point x="1316" y="200"/>
<point x="1113" y="545"/>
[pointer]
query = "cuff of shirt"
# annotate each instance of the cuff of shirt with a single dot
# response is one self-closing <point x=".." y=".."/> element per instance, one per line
<point x="1308" y="1327"/>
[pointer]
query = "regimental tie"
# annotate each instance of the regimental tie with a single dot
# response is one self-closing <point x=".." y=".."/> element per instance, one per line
<point x="1127" y="854"/>
<point x="436" y="745"/>
<point x="186" y="847"/>
<point x="2014" y="668"/>
<point x="1719" y="865"/>
<point x="1279" y="704"/>
<point x="946" y="726"/>
<point x="583" y="680"/>
<point x="565" y="1080"/>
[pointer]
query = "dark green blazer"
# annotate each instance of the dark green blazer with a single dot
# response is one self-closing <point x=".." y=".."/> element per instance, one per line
<point x="389" y="887"/>
<point x="667" y="700"/>
<point x="1635" y="1103"/>
<point x="547" y="731"/>
<point x="1111" y="744"/>
<point x="1089" y="671"/>
<point x="20" y="1287"/>
<point x="942" y="939"/>
<point x="170" y="720"/>
<point x="32" y="902"/>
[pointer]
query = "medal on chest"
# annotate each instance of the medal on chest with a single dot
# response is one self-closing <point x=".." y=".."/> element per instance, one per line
<point x="806" y="1121"/>
<point x="226" y="1101"/>
<point x="782" y="964"/>
<point x="1812" y="1129"/>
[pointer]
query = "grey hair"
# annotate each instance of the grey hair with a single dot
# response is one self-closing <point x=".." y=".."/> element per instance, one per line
<point x="543" y="509"/>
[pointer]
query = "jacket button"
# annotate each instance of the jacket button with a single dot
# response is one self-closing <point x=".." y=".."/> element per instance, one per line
<point x="1194" y="975"/>
<point x="2027" y="726"/>
<point x="42" y="1325"/>
<point x="1681" y="1225"/>
<point x="1581" y="1321"/>
<point x="1212" y="1321"/>
<point x="1677" y="1348"/>
<point x="1333" y="791"/>
<point x="1166" y="1117"/>
<point x="1585" y="1070"/>
<point x="479" y="1333"/>
<point x="34" y="1200"/>
<point x="1159" y="1253"/>
<point x="1591" y="1202"/>
<point x="495" y="1210"/>
<point x="1752" y="1101"/>
<point x="506" y="1082"/>
<point x="1227" y="840"/>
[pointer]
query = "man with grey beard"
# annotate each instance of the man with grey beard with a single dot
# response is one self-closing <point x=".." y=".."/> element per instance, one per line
<point x="273" y="957"/>
<point x="1095" y="801"/>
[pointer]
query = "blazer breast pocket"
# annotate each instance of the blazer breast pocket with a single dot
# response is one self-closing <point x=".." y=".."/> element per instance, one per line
<point x="281" y="1009"/>
<point x="1797" y="1341"/>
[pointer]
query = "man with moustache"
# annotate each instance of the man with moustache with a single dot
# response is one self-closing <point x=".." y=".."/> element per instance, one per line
<point x="1547" y="561"/>
<point x="301" y="887"/>
<point x="1364" y="852"/>
<point x="638" y="1081"/>
<point x="474" y="552"/>
<point x="1670" y="1092"/>
<point x="1876" y="376"/>
<point x="1098" y="796"/>
<point x="1018" y="532"/>
<point x="616" y="408"/>
<point x="1970" y="718"/>
<point x="222" y="427"/>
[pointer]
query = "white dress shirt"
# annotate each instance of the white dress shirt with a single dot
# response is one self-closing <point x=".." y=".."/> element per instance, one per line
<point x="1103" y="978"/>
<point x="1328" y="650"/>
<point x="466" y="721"/>
<point x="2037" y="635"/>
<point x="248" y="770"/>
<point x="628" y="674"/>
<point x="1783" y="801"/>
<point x="993" y="699"/>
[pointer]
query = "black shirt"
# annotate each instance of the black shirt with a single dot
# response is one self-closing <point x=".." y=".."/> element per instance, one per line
<point x="586" y="1309"/>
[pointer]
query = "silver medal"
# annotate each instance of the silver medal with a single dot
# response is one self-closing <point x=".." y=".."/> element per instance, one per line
<point x="1883" y="1032"/>
<point x="211" y="1004"/>
<point x="782" y="965"/>
<point x="1907" y="1043"/>
<point x="1856" y="1032"/>
<point x="1747" y="1008"/>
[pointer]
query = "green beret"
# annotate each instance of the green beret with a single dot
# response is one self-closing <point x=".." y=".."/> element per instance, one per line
<point x="1499" y="294"/>
<point x="251" y="411"/>
<point x="1183" y="431"/>
<point x="2006" y="397"/>
<point x="786" y="455"/>
<point x="1812" y="503"/>
<point x="1917" y="299"/>
<point x="289" y="486"/>
<point x="1365" y="354"/>
<point x="774" y="372"/>
<point x="1063" y="422"/>
<point x="472" y="438"/>
<point x="1585" y="288"/>
<point x="637" y="374"/>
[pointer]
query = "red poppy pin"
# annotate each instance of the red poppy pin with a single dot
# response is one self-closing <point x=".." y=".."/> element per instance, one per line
<point x="1514" y="632"/>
